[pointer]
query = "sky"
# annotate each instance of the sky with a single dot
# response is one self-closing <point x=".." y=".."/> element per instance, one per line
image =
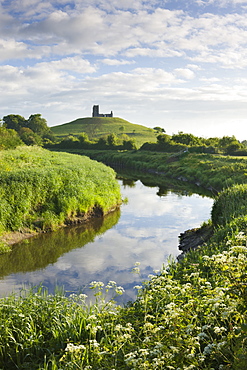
<point x="180" y="65"/>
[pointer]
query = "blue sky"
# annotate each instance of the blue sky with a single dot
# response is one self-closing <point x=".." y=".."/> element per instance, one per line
<point x="176" y="64"/>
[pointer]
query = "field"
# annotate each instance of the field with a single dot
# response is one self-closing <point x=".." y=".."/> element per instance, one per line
<point x="100" y="126"/>
<point x="41" y="190"/>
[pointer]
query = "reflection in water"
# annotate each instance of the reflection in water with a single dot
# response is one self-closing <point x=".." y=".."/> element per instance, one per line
<point x="147" y="232"/>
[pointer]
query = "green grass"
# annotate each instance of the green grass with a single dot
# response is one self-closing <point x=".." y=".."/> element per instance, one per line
<point x="41" y="190"/>
<point x="101" y="126"/>
<point x="191" y="316"/>
<point x="212" y="171"/>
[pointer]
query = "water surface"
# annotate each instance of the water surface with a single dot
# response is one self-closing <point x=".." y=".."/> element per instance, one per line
<point x="145" y="230"/>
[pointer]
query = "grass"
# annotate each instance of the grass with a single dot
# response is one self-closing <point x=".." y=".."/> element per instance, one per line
<point x="42" y="190"/>
<point x="191" y="316"/>
<point x="212" y="171"/>
<point x="100" y="126"/>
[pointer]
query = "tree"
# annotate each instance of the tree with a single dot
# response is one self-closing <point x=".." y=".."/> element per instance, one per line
<point x="101" y="143"/>
<point x="14" y="122"/>
<point x="112" y="140"/>
<point x="187" y="139"/>
<point x="163" y="138"/>
<point x="121" y="128"/>
<point x="29" y="137"/>
<point x="229" y="144"/>
<point x="129" y="144"/>
<point x="37" y="124"/>
<point x="159" y="129"/>
<point x="83" y="137"/>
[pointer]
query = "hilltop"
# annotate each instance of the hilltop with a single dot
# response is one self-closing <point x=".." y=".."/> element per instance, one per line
<point x="96" y="127"/>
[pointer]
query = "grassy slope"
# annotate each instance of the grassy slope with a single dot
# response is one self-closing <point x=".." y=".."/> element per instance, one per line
<point x="37" y="185"/>
<point x="97" y="127"/>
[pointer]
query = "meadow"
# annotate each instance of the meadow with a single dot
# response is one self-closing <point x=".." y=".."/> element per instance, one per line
<point x="189" y="316"/>
<point x="102" y="126"/>
<point x="41" y="190"/>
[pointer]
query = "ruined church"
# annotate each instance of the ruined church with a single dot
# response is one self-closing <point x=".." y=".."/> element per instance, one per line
<point x="97" y="114"/>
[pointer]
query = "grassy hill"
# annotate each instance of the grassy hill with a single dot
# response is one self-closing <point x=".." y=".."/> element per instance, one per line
<point x="96" y="127"/>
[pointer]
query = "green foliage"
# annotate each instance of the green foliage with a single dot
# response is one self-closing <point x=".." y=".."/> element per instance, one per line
<point x="33" y="131"/>
<point x="9" y="139"/>
<point x="37" y="124"/>
<point x="98" y="127"/>
<point x="159" y="129"/>
<point x="43" y="189"/>
<point x="187" y="139"/>
<point x="107" y="142"/>
<point x="229" y="144"/>
<point x="29" y="137"/>
<point x="213" y="172"/>
<point x="230" y="204"/>
<point x="190" y="316"/>
<point x="14" y="122"/>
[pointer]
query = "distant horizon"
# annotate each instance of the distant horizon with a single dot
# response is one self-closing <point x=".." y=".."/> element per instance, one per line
<point x="178" y="65"/>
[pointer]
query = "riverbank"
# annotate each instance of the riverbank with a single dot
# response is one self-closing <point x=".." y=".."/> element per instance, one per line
<point x="41" y="191"/>
<point x="212" y="171"/>
<point x="201" y="300"/>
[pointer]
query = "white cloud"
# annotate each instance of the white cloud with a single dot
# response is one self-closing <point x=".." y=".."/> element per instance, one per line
<point x="185" y="73"/>
<point x="71" y="64"/>
<point x="186" y="60"/>
<point x="116" y="62"/>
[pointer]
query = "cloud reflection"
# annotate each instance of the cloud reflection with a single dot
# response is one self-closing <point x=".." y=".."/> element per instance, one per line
<point x="147" y="232"/>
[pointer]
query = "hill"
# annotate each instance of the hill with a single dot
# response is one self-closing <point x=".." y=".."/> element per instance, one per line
<point x="96" y="127"/>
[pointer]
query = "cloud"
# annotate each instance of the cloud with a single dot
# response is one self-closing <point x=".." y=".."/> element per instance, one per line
<point x="185" y="73"/>
<point x="158" y="33"/>
<point x="116" y="62"/>
<point x="70" y="64"/>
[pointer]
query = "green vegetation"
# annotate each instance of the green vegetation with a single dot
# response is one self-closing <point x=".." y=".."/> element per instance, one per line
<point x="9" y="139"/>
<point x="98" y="127"/>
<point x="192" y="316"/>
<point x="211" y="171"/>
<point x="182" y="141"/>
<point x="41" y="190"/>
<point x="31" y="131"/>
<point x="37" y="252"/>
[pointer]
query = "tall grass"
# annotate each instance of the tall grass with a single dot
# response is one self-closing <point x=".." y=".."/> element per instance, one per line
<point x="191" y="316"/>
<point x="212" y="171"/>
<point x="230" y="204"/>
<point x="40" y="189"/>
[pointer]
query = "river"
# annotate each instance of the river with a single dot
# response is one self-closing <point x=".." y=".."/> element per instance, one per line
<point x="145" y="231"/>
